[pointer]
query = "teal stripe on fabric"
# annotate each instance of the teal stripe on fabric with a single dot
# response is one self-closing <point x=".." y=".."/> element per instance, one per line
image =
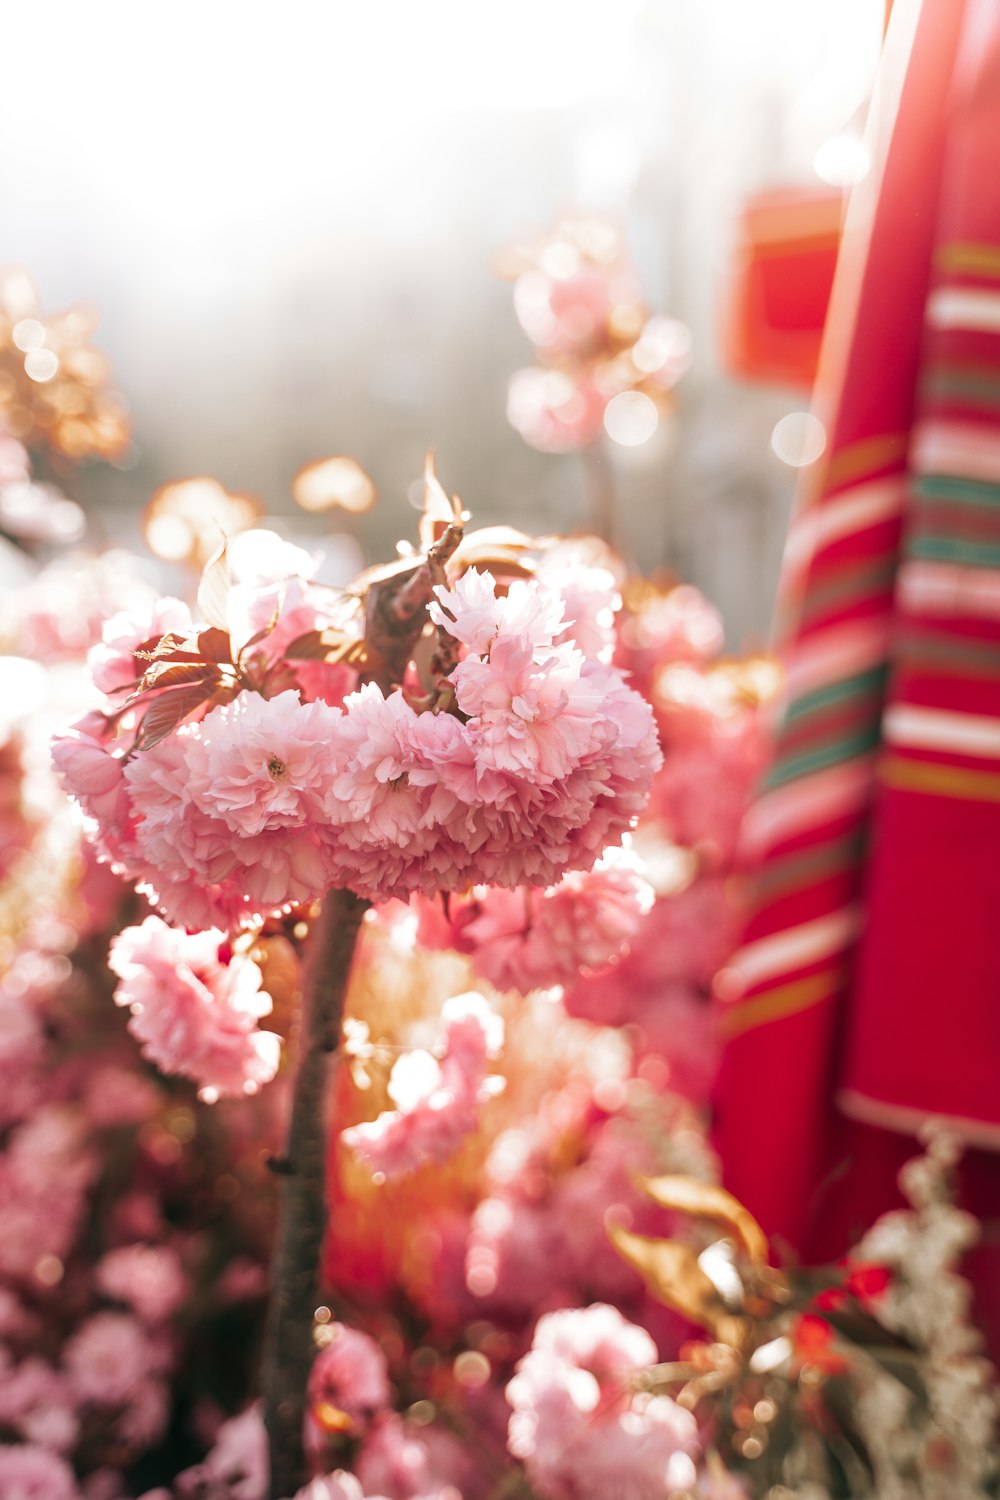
<point x="818" y="760"/>
<point x="954" y="549"/>
<point x="860" y="684"/>
<point x="952" y="651"/>
<point x="978" y="390"/>
<point x="848" y="586"/>
<point x="962" y="491"/>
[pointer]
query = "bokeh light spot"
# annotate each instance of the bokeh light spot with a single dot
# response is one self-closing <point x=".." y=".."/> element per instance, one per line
<point x="41" y="365"/>
<point x="339" y="481"/>
<point x="28" y="334"/>
<point x="798" y="439"/>
<point x="631" y="419"/>
<point x="842" y="161"/>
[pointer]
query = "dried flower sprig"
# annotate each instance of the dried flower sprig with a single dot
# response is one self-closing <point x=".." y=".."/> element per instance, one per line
<point x="863" y="1380"/>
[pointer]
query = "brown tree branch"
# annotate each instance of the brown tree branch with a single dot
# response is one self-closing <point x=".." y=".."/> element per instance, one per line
<point x="295" y="1270"/>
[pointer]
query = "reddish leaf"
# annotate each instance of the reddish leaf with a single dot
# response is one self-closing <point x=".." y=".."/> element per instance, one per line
<point x="170" y="647"/>
<point x="214" y="645"/>
<point x="261" y="635"/>
<point x="168" y="674"/>
<point x="507" y="538"/>
<point x="167" y="710"/>
<point x="320" y="645"/>
<point x="439" y="512"/>
<point x="382" y="571"/>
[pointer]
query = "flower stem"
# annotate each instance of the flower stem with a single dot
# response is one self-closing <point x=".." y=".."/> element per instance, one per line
<point x="289" y="1348"/>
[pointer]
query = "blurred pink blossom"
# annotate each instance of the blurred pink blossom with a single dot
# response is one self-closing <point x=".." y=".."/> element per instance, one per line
<point x="405" y="1463"/>
<point x="110" y="1356"/>
<point x="533" y="939"/>
<point x="45" y="1172"/>
<point x="147" y="1278"/>
<point x="29" y="1472"/>
<point x="339" y="1485"/>
<point x="237" y="1465"/>
<point x="193" y="1013"/>
<point x="556" y="411"/>
<point x="39" y="1403"/>
<point x="577" y="1424"/>
<point x="350" y="1375"/>
<point x="112" y="661"/>
<point x="437" y="1098"/>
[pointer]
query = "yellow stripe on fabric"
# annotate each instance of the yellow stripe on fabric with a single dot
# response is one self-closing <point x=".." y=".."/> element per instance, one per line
<point x="867" y="457"/>
<point x="971" y="258"/>
<point x="872" y="459"/>
<point x="793" y="947"/>
<point x="938" y="779"/>
<point x="785" y="1000"/>
<point x="868" y="503"/>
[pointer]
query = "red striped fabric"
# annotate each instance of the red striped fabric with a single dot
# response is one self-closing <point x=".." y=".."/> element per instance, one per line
<point x="868" y="983"/>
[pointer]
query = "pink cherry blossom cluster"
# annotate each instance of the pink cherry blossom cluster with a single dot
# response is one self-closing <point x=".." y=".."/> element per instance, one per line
<point x="84" y="1347"/>
<point x="46" y="1171"/>
<point x="437" y="1098"/>
<point x="348" y="1383"/>
<point x="33" y="513"/>
<point x="587" y="577"/>
<point x="538" y="1237"/>
<point x="533" y="939"/>
<point x="392" y="1459"/>
<point x="60" y="612"/>
<point x="581" y="1427"/>
<point x="194" y="1007"/>
<point x="578" y="299"/>
<point x="267" y="801"/>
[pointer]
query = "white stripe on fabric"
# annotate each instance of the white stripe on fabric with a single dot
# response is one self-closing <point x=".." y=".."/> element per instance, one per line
<point x="942" y="588"/>
<point x="846" y="514"/>
<point x="942" y="729"/>
<point x="961" y="450"/>
<point x="964" y="307"/>
<point x="794" y="948"/>
<point x="835" y="654"/>
<point x="811" y="802"/>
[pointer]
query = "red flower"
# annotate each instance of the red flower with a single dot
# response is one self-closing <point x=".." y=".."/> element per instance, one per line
<point x="813" y="1340"/>
<point x="868" y="1281"/>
